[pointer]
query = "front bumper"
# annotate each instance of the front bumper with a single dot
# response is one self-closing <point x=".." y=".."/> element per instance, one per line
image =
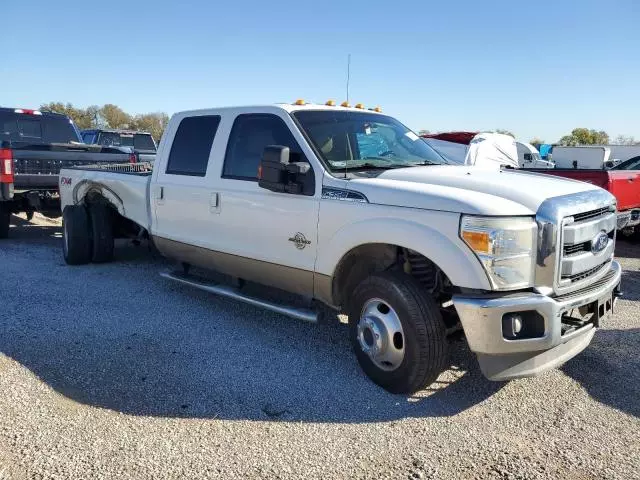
<point x="504" y="359"/>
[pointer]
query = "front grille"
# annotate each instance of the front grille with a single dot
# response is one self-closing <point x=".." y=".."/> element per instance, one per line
<point x="575" y="249"/>
<point x="581" y="217"/>
<point x="586" y="274"/>
<point x="578" y="261"/>
<point x="592" y="287"/>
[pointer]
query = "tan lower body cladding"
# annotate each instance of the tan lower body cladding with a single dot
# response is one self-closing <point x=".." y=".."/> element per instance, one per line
<point x="294" y="280"/>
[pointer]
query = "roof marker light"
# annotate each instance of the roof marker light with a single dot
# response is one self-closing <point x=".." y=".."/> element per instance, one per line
<point x="27" y="111"/>
<point x="299" y="102"/>
<point x="330" y="103"/>
<point x="377" y="109"/>
<point x="360" y="106"/>
<point x="345" y="104"/>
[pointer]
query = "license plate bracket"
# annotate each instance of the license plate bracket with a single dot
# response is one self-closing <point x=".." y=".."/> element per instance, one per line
<point x="603" y="309"/>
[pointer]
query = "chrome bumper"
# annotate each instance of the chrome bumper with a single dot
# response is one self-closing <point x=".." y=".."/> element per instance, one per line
<point x="504" y="359"/>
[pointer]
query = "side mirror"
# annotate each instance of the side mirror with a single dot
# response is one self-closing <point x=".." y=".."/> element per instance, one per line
<point x="277" y="174"/>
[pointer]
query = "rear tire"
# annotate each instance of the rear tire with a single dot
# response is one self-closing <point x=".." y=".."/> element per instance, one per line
<point x="5" y="220"/>
<point x="101" y="233"/>
<point x="76" y="245"/>
<point x="394" y="308"/>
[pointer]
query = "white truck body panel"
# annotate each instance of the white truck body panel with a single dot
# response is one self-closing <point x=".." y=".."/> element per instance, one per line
<point x="585" y="157"/>
<point x="128" y="193"/>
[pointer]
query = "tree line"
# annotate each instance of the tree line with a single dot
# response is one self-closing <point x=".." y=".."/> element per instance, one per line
<point x="110" y="116"/>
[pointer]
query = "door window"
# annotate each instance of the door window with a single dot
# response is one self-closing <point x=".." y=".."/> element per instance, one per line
<point x="250" y="134"/>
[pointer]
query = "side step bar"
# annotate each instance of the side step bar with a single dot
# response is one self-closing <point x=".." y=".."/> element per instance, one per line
<point x="304" y="314"/>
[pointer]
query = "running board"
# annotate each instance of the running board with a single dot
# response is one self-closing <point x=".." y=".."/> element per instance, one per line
<point x="304" y="314"/>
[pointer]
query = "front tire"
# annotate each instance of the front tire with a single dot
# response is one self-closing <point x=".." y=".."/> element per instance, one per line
<point x="397" y="332"/>
<point x="76" y="246"/>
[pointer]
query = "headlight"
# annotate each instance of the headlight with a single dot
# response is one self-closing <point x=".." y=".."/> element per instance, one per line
<point x="506" y="246"/>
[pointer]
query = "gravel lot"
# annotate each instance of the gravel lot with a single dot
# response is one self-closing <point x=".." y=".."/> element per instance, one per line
<point x="111" y="371"/>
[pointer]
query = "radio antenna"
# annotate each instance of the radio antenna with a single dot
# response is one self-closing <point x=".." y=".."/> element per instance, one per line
<point x="346" y="167"/>
<point x="348" y="74"/>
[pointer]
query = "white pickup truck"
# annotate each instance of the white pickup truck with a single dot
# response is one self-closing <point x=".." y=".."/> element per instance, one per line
<point x="349" y="209"/>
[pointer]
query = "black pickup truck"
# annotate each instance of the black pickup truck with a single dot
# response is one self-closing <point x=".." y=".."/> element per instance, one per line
<point x="34" y="146"/>
<point x="142" y="143"/>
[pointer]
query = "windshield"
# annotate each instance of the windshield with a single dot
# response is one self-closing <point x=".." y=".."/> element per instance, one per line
<point x="352" y="140"/>
<point x="138" y="141"/>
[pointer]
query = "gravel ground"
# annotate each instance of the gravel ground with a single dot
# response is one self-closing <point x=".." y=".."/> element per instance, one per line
<point x="111" y="371"/>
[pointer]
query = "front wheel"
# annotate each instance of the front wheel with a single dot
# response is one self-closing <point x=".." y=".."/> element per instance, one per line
<point x="397" y="332"/>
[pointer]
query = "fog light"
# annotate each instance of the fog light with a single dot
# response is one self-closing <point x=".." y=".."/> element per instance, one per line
<point x="521" y="325"/>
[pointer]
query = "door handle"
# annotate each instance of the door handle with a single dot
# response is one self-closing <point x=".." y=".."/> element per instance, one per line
<point x="214" y="202"/>
<point x="160" y="196"/>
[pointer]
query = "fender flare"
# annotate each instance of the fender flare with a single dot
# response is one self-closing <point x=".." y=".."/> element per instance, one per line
<point x="455" y="259"/>
<point x="85" y="187"/>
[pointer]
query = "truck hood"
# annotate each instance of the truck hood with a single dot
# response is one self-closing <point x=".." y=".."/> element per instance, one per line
<point x="465" y="189"/>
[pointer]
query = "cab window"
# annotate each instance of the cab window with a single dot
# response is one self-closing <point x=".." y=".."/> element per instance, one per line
<point x="250" y="134"/>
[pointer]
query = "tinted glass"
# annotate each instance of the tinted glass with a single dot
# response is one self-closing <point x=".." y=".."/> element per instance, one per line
<point x="631" y="164"/>
<point x="143" y="142"/>
<point x="360" y="139"/>
<point x="88" y="137"/>
<point x="191" y="145"/>
<point x="249" y="135"/>
<point x="20" y="127"/>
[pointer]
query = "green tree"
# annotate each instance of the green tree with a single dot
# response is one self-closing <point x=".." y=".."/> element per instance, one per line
<point x="504" y="132"/>
<point x="584" y="136"/>
<point x="154" y="123"/>
<point x="81" y="117"/>
<point x="115" y="117"/>
<point x="536" y="141"/>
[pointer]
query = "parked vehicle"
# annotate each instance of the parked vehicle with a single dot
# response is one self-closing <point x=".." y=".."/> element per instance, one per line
<point x="411" y="249"/>
<point x="486" y="150"/>
<point x="33" y="147"/>
<point x="584" y="157"/>
<point x="623" y="184"/>
<point x="529" y="157"/>
<point x="141" y="143"/>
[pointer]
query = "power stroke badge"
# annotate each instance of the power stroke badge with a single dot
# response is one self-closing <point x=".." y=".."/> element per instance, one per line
<point x="300" y="241"/>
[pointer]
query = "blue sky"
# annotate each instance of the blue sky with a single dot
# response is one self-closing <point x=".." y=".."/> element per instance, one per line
<point x="536" y="68"/>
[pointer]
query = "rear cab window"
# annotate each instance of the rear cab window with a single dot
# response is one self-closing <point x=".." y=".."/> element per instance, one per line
<point x="191" y="146"/>
<point x="137" y="141"/>
<point x="37" y="129"/>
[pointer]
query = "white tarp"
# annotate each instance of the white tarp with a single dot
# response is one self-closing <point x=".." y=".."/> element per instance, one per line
<point x="492" y="150"/>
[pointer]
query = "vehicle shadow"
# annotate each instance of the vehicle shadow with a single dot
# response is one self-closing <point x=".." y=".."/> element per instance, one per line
<point x="118" y="336"/>
<point x="627" y="248"/>
<point x="609" y="369"/>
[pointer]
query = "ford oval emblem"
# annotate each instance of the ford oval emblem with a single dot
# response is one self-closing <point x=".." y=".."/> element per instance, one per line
<point x="599" y="243"/>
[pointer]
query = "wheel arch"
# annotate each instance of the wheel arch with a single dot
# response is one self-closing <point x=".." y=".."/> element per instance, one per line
<point x="365" y="247"/>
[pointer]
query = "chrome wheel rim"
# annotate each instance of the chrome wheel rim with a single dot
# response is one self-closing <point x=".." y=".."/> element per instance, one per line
<point x="380" y="334"/>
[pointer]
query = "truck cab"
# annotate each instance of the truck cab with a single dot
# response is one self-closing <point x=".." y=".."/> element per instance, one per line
<point x="351" y="211"/>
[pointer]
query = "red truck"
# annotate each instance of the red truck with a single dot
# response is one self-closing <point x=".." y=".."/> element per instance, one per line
<point x="623" y="184"/>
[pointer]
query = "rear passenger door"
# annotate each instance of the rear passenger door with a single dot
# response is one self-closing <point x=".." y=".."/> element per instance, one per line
<point x="181" y="192"/>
